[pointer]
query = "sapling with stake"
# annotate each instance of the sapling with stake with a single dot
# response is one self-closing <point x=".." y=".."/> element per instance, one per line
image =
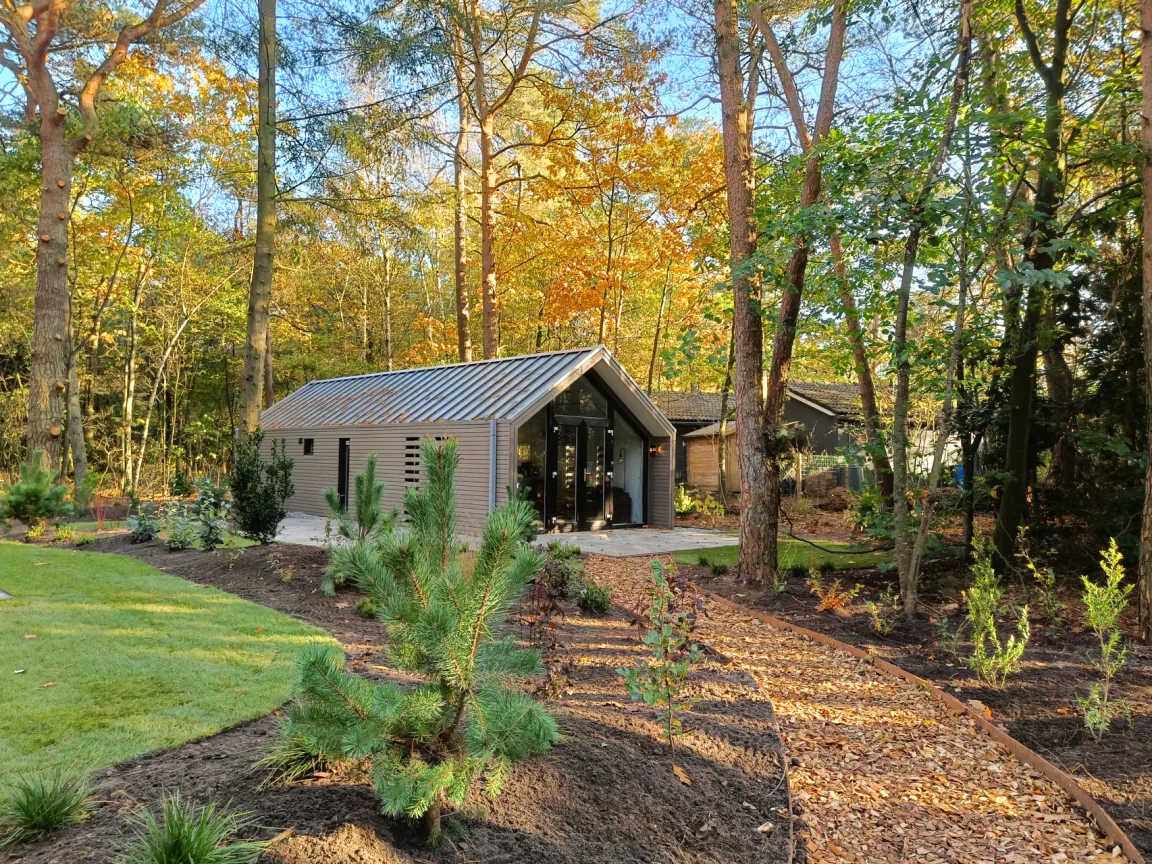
<point x="1103" y="606"/>
<point x="660" y="682"/>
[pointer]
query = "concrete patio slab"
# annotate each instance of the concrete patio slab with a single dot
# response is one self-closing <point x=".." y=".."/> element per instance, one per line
<point x="308" y="530"/>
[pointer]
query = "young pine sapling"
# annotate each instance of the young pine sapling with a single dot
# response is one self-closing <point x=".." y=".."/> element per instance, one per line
<point x="427" y="743"/>
<point x="1103" y="606"/>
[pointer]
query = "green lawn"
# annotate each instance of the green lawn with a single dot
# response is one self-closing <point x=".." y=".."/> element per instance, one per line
<point x="792" y="552"/>
<point x="136" y="660"/>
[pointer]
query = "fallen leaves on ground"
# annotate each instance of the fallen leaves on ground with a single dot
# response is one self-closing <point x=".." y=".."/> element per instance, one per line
<point x="881" y="772"/>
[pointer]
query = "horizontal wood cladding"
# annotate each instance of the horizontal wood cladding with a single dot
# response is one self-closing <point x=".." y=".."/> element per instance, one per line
<point x="397" y="457"/>
<point x="703" y="463"/>
<point x="660" y="478"/>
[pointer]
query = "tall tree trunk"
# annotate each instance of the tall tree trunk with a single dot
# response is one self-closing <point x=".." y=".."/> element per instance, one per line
<point x="387" y="310"/>
<point x="748" y="331"/>
<point x="269" y="378"/>
<point x="1042" y="229"/>
<point x="127" y="405"/>
<point x="904" y="552"/>
<point x="487" y="232"/>
<point x="777" y="444"/>
<point x="876" y="446"/>
<point x="722" y="452"/>
<point x="50" y="319"/>
<point x="76" y="441"/>
<point x="1145" y="581"/>
<point x="460" y="221"/>
<point x="260" y="295"/>
<point x="659" y="325"/>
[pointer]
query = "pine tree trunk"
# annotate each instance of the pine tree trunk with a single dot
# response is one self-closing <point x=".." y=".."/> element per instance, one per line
<point x="269" y="378"/>
<point x="748" y="333"/>
<point x="487" y="232"/>
<point x="1145" y="580"/>
<point x="722" y="452"/>
<point x="432" y="822"/>
<point x="50" y="321"/>
<point x="877" y="446"/>
<point x="76" y="441"/>
<point x="460" y="221"/>
<point x="260" y="294"/>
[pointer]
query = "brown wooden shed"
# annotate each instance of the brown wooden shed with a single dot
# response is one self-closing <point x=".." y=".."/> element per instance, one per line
<point x="590" y="448"/>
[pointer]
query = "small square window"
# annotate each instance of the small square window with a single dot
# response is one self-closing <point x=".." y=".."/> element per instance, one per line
<point x="308" y="446"/>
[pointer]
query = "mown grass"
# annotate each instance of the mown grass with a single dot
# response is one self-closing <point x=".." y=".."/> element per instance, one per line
<point x="119" y="659"/>
<point x="844" y="557"/>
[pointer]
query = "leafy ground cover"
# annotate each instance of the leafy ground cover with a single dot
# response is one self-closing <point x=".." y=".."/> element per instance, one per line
<point x="106" y="658"/>
<point x="843" y="556"/>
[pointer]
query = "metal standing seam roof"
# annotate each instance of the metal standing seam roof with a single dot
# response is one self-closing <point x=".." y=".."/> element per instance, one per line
<point x="483" y="390"/>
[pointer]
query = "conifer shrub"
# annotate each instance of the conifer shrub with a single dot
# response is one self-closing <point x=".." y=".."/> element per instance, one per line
<point x="361" y="530"/>
<point x="35" y="497"/>
<point x="427" y="744"/>
<point x="260" y="489"/>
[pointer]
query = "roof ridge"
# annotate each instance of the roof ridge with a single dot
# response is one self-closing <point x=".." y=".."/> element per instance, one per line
<point x="384" y="372"/>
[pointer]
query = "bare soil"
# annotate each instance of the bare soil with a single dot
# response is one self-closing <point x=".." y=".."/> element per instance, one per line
<point x="606" y="793"/>
<point x="1038" y="704"/>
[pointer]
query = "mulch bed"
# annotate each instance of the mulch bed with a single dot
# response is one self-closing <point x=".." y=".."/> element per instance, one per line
<point x="607" y="793"/>
<point x="1038" y="705"/>
<point x="883" y="772"/>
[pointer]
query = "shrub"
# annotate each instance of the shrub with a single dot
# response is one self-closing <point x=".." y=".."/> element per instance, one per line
<point x="558" y="550"/>
<point x="367" y="607"/>
<point x="684" y="504"/>
<point x="179" y="486"/>
<point x="37" y="804"/>
<point x="559" y="577"/>
<point x="259" y="488"/>
<point x="833" y="596"/>
<point x="593" y="599"/>
<point x="213" y="520"/>
<point x="180" y="532"/>
<point x="143" y="527"/>
<point x="660" y="682"/>
<point x="85" y="539"/>
<point x="716" y="568"/>
<point x="427" y="744"/>
<point x="1045" y="580"/>
<point x="370" y="520"/>
<point x="1103" y="605"/>
<point x="64" y="533"/>
<point x="798" y="571"/>
<point x="992" y="660"/>
<point x="34" y="532"/>
<point x="949" y="638"/>
<point x="35" y="497"/>
<point x="188" y="833"/>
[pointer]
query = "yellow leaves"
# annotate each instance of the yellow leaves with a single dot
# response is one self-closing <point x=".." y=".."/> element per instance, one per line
<point x="681" y="775"/>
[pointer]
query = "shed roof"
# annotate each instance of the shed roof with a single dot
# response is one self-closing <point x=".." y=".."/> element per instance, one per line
<point x="502" y="389"/>
<point x="837" y="398"/>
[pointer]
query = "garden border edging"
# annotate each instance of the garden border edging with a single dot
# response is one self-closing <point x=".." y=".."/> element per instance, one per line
<point x="1029" y="757"/>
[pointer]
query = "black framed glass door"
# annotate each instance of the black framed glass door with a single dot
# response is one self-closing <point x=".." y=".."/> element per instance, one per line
<point x="581" y="475"/>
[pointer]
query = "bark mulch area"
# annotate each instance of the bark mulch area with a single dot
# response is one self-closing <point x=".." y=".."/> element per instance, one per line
<point x="1037" y="706"/>
<point x="881" y="771"/>
<point x="606" y="793"/>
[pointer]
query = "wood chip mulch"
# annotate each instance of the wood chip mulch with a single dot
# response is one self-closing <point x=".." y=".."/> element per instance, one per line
<point x="881" y="772"/>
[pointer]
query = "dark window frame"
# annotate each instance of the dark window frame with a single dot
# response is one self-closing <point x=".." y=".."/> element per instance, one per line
<point x="309" y="446"/>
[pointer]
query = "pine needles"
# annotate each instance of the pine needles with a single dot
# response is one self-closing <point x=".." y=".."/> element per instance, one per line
<point x="429" y="743"/>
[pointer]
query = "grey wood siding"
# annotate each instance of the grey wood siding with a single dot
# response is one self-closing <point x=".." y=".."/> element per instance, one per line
<point x="311" y="475"/>
<point x="660" y="480"/>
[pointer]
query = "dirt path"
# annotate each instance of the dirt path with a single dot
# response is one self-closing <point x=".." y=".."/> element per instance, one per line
<point x="880" y="771"/>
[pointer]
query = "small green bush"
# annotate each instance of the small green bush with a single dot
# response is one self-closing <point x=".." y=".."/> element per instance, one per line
<point x="35" y="497"/>
<point x="367" y="607"/>
<point x="37" y="804"/>
<point x="64" y="533"/>
<point x="558" y="550"/>
<point x="259" y="488"/>
<point x="180" y="532"/>
<point x="593" y="599"/>
<point x="179" y="486"/>
<point x="1103" y="606"/>
<point x="798" y="571"/>
<point x="992" y="660"/>
<point x="718" y="569"/>
<point x="84" y="539"/>
<point x="187" y="833"/>
<point x="143" y="527"/>
<point x="684" y="504"/>
<point x="34" y="532"/>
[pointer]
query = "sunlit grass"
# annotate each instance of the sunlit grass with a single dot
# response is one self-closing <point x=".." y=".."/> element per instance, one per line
<point x="844" y="556"/>
<point x="127" y="660"/>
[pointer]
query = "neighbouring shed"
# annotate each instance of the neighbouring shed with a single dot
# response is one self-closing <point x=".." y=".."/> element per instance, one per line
<point x="826" y="411"/>
<point x="590" y="449"/>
